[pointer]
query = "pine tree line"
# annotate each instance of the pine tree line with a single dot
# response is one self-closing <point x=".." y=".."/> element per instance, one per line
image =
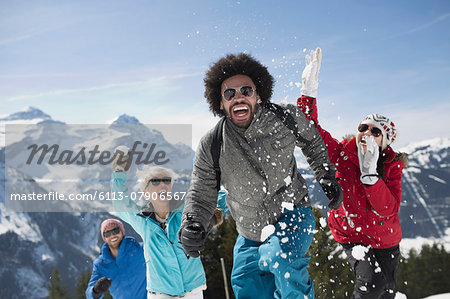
<point x="58" y="290"/>
<point x="419" y="275"/>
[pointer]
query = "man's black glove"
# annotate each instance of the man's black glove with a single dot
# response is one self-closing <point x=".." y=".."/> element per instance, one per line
<point x="192" y="236"/>
<point x="101" y="286"/>
<point x="333" y="191"/>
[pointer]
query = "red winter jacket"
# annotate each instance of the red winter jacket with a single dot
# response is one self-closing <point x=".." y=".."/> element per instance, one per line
<point x="369" y="213"/>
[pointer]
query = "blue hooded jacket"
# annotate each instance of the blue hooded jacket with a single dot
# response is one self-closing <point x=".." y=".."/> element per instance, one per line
<point x="127" y="270"/>
<point x="169" y="271"/>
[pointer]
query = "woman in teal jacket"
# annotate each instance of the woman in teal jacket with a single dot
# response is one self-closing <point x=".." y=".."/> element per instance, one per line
<point x="169" y="271"/>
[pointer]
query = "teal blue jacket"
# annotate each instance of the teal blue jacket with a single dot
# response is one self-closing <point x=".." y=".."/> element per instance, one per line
<point x="169" y="271"/>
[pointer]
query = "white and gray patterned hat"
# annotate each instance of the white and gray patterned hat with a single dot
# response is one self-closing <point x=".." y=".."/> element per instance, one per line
<point x="386" y="126"/>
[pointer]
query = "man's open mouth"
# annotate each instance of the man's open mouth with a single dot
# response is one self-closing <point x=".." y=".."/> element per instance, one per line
<point x="240" y="111"/>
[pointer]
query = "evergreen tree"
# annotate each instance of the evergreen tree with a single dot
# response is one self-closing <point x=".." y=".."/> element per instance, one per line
<point x="328" y="267"/>
<point x="55" y="288"/>
<point x="82" y="284"/>
<point x="424" y="274"/>
<point x="219" y="244"/>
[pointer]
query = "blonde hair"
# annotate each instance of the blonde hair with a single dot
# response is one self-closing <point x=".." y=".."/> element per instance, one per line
<point x="152" y="172"/>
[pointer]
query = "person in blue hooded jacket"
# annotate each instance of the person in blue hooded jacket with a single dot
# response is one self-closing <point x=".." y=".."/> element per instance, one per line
<point x="169" y="271"/>
<point x="120" y="266"/>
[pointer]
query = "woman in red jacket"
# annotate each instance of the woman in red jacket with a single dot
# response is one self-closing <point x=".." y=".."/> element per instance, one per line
<point x="370" y="172"/>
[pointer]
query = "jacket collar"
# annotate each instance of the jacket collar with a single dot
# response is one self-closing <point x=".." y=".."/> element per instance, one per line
<point x="106" y="254"/>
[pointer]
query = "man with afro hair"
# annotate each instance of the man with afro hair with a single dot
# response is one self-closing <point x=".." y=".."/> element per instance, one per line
<point x="267" y="196"/>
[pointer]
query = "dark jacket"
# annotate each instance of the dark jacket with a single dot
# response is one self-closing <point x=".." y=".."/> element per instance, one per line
<point x="258" y="170"/>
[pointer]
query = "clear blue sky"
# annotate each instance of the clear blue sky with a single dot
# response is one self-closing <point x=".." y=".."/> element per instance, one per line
<point x="90" y="61"/>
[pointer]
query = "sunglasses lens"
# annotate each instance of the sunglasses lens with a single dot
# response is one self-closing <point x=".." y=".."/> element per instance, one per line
<point x="229" y="93"/>
<point x="114" y="231"/>
<point x="166" y="181"/>
<point x="157" y="181"/>
<point x="247" y="91"/>
<point x="363" y="128"/>
<point x="376" y="132"/>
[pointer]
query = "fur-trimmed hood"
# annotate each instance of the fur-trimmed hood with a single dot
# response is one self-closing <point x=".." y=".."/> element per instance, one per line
<point x="404" y="157"/>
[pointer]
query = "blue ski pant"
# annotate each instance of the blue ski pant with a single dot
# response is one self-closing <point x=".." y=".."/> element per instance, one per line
<point x="276" y="268"/>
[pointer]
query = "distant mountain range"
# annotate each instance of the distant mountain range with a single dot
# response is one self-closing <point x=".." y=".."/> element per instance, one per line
<point x="31" y="244"/>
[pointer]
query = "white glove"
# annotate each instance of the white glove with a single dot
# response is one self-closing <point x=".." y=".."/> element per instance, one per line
<point x="122" y="159"/>
<point x="310" y="75"/>
<point x="368" y="161"/>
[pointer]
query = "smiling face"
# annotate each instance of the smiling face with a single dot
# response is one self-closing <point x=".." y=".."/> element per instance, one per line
<point x="114" y="240"/>
<point x="240" y="109"/>
<point x="158" y="184"/>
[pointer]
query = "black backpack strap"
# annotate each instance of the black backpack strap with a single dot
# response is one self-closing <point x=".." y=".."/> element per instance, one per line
<point x="287" y="119"/>
<point x="216" y="146"/>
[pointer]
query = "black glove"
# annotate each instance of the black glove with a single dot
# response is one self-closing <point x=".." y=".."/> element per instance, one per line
<point x="101" y="286"/>
<point x="333" y="191"/>
<point x="192" y="236"/>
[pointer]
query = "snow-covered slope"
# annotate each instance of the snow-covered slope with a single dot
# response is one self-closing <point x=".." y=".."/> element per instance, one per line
<point x="426" y="189"/>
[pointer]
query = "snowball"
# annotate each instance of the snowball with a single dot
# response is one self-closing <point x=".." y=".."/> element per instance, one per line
<point x="267" y="231"/>
<point x="288" y="180"/>
<point x="359" y="252"/>
<point x="288" y="206"/>
<point x="323" y="222"/>
<point x="399" y="295"/>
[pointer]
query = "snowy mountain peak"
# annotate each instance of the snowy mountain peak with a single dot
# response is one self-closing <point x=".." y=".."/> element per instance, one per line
<point x="28" y="113"/>
<point x="429" y="154"/>
<point x="125" y="119"/>
<point x="434" y="144"/>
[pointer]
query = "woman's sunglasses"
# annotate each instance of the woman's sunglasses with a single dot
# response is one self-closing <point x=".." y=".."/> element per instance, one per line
<point x="157" y="181"/>
<point x="375" y="131"/>
<point x="230" y="93"/>
<point x="113" y="231"/>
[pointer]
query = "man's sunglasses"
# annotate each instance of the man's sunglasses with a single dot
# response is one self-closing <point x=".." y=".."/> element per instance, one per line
<point x="157" y="181"/>
<point x="113" y="231"/>
<point x="375" y="131"/>
<point x="230" y="93"/>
